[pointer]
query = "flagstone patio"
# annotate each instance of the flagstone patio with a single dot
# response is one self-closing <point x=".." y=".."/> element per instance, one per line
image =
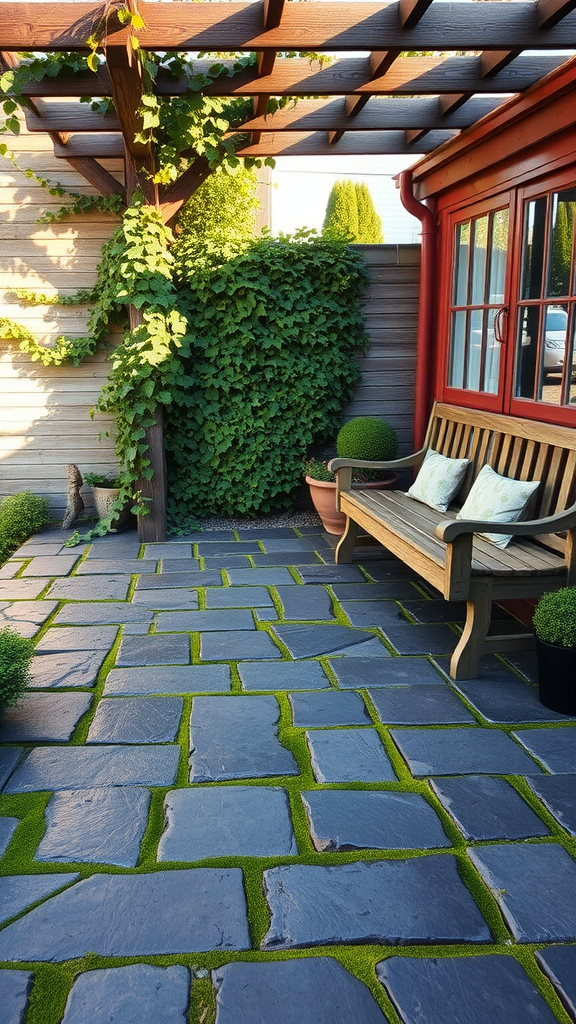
<point x="243" y="790"/>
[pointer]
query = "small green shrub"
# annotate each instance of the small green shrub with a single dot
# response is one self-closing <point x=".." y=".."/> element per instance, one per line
<point x="15" y="655"/>
<point x="97" y="480"/>
<point x="21" y="515"/>
<point x="369" y="438"/>
<point x="317" y="470"/>
<point x="555" y="617"/>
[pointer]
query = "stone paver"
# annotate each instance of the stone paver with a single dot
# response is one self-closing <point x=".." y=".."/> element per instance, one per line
<point x="227" y="547"/>
<point x="503" y="697"/>
<point x="50" y="565"/>
<point x="165" y="581"/>
<point x="16" y="590"/>
<point x="174" y="549"/>
<point x="320" y="991"/>
<point x="70" y="668"/>
<point x="46" y="717"/>
<point x="36" y="547"/>
<point x="227" y="562"/>
<point x="462" y="752"/>
<point x="160" y="600"/>
<point x="137" y="994"/>
<point x="9" y="758"/>
<point x="168" y="679"/>
<point x="310" y="641"/>
<point x="112" y="566"/>
<point x="318" y="710"/>
<point x="227" y="821"/>
<point x="395" y="590"/>
<point x="364" y="672"/>
<point x="237" y="738"/>
<point x="19" y="891"/>
<point x="463" y="990"/>
<point x="420" y="705"/>
<point x="205" y="621"/>
<point x="348" y="819"/>
<point x="558" y="794"/>
<point x="259" y="577"/>
<point x="95" y="826"/>
<point x="103" y="612"/>
<point x="370" y="649"/>
<point x="555" y="748"/>
<point x="238" y="597"/>
<point x="236" y="644"/>
<point x="125" y="546"/>
<point x="486" y="808"/>
<point x="331" y="574"/>
<point x="49" y="768"/>
<point x="420" y="900"/>
<point x="559" y="963"/>
<point x="283" y="675"/>
<point x="134" y="915"/>
<point x="7" y="829"/>
<point x="309" y="603"/>
<point x="535" y="886"/>
<point x="427" y="639"/>
<point x="287" y="558"/>
<point x="14" y="991"/>
<point x="349" y="755"/>
<point x="77" y="638"/>
<point x="136" y="720"/>
<point x="153" y="650"/>
<point x="102" y="588"/>
<point x="190" y="566"/>
<point x="25" y="617"/>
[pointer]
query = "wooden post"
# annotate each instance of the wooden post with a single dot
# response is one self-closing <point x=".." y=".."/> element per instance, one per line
<point x="153" y="526"/>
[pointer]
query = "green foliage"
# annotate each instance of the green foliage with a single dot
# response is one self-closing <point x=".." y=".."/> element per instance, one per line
<point x="367" y="437"/>
<point x="350" y="213"/>
<point x="21" y="515"/>
<point x="96" y="480"/>
<point x="218" y="222"/>
<point x="82" y="203"/>
<point x="317" y="470"/>
<point x="15" y="656"/>
<point x="555" y="617"/>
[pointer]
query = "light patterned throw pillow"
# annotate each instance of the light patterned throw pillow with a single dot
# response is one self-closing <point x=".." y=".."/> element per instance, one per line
<point x="438" y="480"/>
<point x="497" y="498"/>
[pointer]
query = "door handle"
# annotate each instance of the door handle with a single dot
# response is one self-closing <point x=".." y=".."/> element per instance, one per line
<point x="499" y="329"/>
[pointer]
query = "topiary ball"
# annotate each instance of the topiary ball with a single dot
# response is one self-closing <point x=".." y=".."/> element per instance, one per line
<point x="369" y="438"/>
<point x="555" y="617"/>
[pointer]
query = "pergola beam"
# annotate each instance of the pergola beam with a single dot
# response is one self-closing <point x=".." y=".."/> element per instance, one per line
<point x="70" y="117"/>
<point x="98" y="146"/>
<point x="352" y="144"/>
<point x="98" y="176"/>
<point x="180" y="191"/>
<point x="458" y="25"/>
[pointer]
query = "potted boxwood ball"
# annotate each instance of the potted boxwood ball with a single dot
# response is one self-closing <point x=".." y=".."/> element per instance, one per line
<point x="366" y="438"/>
<point x="555" y="628"/>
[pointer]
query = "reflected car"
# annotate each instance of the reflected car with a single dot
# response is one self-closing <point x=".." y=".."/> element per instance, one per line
<point x="555" y="340"/>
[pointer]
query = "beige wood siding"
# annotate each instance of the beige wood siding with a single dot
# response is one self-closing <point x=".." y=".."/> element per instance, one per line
<point x="45" y="418"/>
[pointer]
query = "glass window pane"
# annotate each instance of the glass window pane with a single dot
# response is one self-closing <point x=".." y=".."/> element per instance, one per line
<point x="461" y="264"/>
<point x="527" y="352"/>
<point x="479" y="260"/>
<point x="491" y="358"/>
<point x="475" y="346"/>
<point x="457" y="350"/>
<point x="498" y="252"/>
<point x="561" y="240"/>
<point x="533" y="249"/>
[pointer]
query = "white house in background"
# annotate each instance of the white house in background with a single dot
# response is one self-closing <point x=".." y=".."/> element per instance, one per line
<point x="300" y="187"/>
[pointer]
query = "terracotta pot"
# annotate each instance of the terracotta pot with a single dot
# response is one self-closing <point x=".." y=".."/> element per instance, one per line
<point x="323" y="494"/>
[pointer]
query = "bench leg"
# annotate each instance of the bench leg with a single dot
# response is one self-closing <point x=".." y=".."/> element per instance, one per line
<point x="346" y="545"/>
<point x="470" y="648"/>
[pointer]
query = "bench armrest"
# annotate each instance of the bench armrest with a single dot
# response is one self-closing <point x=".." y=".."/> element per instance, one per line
<point x="410" y="460"/>
<point x="449" y="529"/>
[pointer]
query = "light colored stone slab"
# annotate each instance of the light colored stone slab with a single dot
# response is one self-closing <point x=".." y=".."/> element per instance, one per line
<point x="137" y="994"/>
<point x="99" y="588"/>
<point x="51" y="768"/>
<point x="95" y="826"/>
<point x="136" y="720"/>
<point x="18" y="891"/>
<point x="45" y="717"/>
<point x="14" y="991"/>
<point x="112" y="566"/>
<point x="168" y="679"/>
<point x="70" y="668"/>
<point x="20" y="590"/>
<point x="77" y="638"/>
<point x="50" y="565"/>
<point x="7" y="828"/>
<point x="86" y="613"/>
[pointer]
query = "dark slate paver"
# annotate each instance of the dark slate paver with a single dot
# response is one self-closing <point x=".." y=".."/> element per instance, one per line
<point x="486" y="808"/>
<point x="168" y="679"/>
<point x="558" y="794"/>
<point x="86" y="613"/>
<point x="309" y="641"/>
<point x="260" y="577"/>
<point x="419" y="705"/>
<point x="237" y="738"/>
<point x="25" y="617"/>
<point x="160" y="600"/>
<point x="461" y="752"/>
<point x="51" y="768"/>
<point x="422" y="899"/>
<point x="58" y="639"/>
<point x="435" y="611"/>
<point x="134" y="915"/>
<point x="283" y="675"/>
<point x="395" y="590"/>
<point x="555" y="748"/>
<point x="236" y="645"/>
<point x="191" y="566"/>
<point x="278" y="544"/>
<point x="153" y="650"/>
<point x="306" y="603"/>
<point x="50" y="565"/>
<point x="373" y="648"/>
<point x="227" y="562"/>
<point x="227" y="821"/>
<point x="136" y="720"/>
<point x="70" y="668"/>
<point x="126" y="545"/>
<point x="320" y="991"/>
<point x="389" y="569"/>
<point x="500" y="696"/>
<point x="413" y="639"/>
<point x="112" y="566"/>
<point x="331" y="574"/>
<point x="15" y="988"/>
<point x="238" y="597"/>
<point x="136" y="994"/>
<point x="95" y="826"/>
<point x="209" y="621"/>
<point x="318" y="710"/>
<point x="228" y="547"/>
<point x="373" y="613"/>
<point x="173" y="549"/>
<point x="178" y="580"/>
<point x="7" y="828"/>
<point x="463" y="990"/>
<point x="101" y="588"/>
<point x="47" y="717"/>
<point x="9" y="757"/>
<point x="261" y="532"/>
<point x="535" y="886"/>
<point x="37" y="547"/>
<point x="364" y="672"/>
<point x="287" y="558"/>
<point x="349" y="755"/>
<point x="344" y="819"/>
<point x="266" y="614"/>
<point x="559" y="963"/>
<point x="19" y="891"/>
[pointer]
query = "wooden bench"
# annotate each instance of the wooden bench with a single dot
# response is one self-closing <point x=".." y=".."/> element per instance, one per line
<point x="448" y="552"/>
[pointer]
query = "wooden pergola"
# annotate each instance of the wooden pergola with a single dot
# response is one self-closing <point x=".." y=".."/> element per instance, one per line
<point x="387" y="97"/>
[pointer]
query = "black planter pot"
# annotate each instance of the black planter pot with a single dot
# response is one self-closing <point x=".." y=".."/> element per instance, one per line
<point x="557" y="677"/>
